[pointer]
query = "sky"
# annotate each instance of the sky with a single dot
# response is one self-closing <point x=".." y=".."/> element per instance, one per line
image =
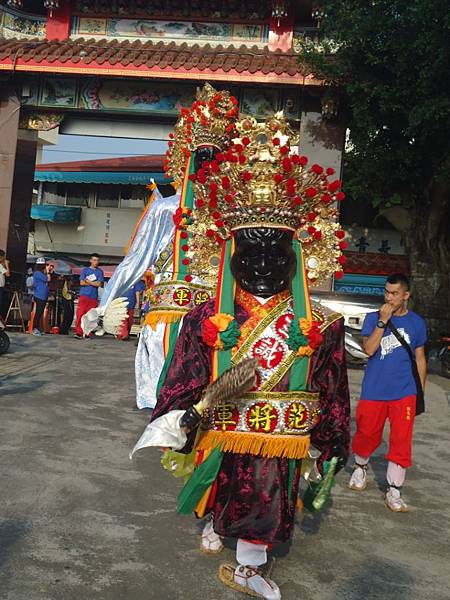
<point x="81" y="147"/>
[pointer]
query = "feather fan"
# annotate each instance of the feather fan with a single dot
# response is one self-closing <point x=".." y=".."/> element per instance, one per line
<point x="107" y="319"/>
<point x="114" y="315"/>
<point x="234" y="382"/>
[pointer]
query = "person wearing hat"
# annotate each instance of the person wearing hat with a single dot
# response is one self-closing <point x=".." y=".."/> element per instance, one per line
<point x="41" y="278"/>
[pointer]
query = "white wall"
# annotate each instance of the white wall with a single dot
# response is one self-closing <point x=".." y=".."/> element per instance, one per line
<point x="45" y="138"/>
<point x="321" y="141"/>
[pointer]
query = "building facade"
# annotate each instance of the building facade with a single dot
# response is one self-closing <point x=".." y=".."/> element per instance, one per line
<point x="123" y="69"/>
<point x="90" y="206"/>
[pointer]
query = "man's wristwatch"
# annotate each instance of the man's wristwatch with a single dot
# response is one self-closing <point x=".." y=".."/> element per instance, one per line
<point x="381" y="324"/>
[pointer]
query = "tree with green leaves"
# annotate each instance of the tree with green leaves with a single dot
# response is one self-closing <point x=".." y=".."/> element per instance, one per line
<point x="389" y="61"/>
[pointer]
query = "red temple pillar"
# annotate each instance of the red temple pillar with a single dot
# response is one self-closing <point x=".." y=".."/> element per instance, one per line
<point x="58" y="22"/>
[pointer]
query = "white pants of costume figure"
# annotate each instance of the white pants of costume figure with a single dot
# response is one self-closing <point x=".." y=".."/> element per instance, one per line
<point x="249" y="556"/>
<point x="148" y="364"/>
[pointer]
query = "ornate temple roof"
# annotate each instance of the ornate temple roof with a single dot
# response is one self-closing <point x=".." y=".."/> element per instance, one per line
<point x="150" y="59"/>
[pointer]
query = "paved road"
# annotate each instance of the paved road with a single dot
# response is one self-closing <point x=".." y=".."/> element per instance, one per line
<point x="79" y="520"/>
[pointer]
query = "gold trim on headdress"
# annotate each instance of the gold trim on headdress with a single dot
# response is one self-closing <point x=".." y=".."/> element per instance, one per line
<point x="208" y="122"/>
<point x="260" y="182"/>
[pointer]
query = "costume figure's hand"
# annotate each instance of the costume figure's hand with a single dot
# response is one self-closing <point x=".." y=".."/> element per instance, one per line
<point x="337" y="451"/>
<point x="190" y="420"/>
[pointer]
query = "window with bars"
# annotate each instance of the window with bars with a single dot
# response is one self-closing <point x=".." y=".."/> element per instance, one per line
<point x="133" y="196"/>
<point x="77" y="195"/>
<point x="54" y="193"/>
<point x="66" y="194"/>
<point x="121" y="196"/>
<point x="106" y="196"/>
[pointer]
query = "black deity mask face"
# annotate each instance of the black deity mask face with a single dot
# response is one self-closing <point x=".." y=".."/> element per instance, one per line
<point x="264" y="261"/>
<point x="204" y="154"/>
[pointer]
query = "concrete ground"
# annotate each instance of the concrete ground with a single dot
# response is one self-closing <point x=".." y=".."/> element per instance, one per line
<point x="78" y="519"/>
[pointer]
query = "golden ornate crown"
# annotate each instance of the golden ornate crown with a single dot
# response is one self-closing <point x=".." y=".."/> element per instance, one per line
<point x="208" y="122"/>
<point x="260" y="182"/>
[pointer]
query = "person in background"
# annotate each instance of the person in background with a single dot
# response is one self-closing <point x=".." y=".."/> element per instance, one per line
<point x="29" y="282"/>
<point x="91" y="279"/>
<point x="133" y="297"/>
<point x="41" y="278"/>
<point x="67" y="302"/>
<point x="4" y="273"/>
<point x="53" y="286"/>
<point x="389" y="389"/>
<point x="53" y="282"/>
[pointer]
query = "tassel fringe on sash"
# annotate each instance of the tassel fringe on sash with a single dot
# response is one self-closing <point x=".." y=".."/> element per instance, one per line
<point x="162" y="316"/>
<point x="258" y="444"/>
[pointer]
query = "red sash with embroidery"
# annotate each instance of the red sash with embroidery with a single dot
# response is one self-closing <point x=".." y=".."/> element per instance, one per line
<point x="265" y="422"/>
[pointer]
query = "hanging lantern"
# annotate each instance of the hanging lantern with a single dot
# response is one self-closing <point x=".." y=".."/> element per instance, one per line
<point x="50" y="4"/>
<point x="318" y="14"/>
<point x="279" y="10"/>
<point x="15" y="3"/>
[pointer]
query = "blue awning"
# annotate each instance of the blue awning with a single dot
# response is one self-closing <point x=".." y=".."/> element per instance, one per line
<point x="56" y="214"/>
<point x="98" y="177"/>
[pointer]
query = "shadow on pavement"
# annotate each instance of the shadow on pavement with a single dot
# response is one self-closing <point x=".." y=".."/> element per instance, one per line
<point x="11" y="532"/>
<point x="12" y="387"/>
<point x="377" y="580"/>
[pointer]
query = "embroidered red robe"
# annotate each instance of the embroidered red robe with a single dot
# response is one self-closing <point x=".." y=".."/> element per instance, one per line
<point x="250" y="498"/>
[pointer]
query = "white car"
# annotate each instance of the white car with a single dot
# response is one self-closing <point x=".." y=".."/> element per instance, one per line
<point x="354" y="309"/>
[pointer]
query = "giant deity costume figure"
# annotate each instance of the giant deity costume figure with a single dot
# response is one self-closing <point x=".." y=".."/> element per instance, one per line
<point x="256" y="393"/>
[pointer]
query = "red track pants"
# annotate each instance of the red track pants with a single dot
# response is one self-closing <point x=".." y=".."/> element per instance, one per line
<point x="371" y="416"/>
<point x="84" y="305"/>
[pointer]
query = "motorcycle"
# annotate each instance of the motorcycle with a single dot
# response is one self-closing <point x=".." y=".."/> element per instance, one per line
<point x="4" y="339"/>
<point x="444" y="356"/>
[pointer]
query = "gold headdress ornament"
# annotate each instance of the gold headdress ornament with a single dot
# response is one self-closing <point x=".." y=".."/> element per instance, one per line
<point x="208" y="122"/>
<point x="259" y="182"/>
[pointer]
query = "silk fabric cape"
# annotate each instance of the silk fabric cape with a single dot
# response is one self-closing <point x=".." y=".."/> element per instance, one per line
<point x="250" y="499"/>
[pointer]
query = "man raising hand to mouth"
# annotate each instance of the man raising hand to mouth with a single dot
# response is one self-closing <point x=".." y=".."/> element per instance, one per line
<point x="389" y="389"/>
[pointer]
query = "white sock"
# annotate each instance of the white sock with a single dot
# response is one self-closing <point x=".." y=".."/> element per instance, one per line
<point x="249" y="554"/>
<point x="360" y="460"/>
<point x="395" y="474"/>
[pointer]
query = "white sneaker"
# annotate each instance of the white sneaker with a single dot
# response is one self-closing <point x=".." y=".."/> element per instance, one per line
<point x="394" y="501"/>
<point x="253" y="580"/>
<point x="358" y="480"/>
<point x="211" y="543"/>
<point x="37" y="332"/>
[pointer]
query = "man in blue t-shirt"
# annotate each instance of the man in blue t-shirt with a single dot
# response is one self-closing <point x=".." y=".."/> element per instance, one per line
<point x="133" y="297"/>
<point x="389" y="389"/>
<point x="91" y="278"/>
